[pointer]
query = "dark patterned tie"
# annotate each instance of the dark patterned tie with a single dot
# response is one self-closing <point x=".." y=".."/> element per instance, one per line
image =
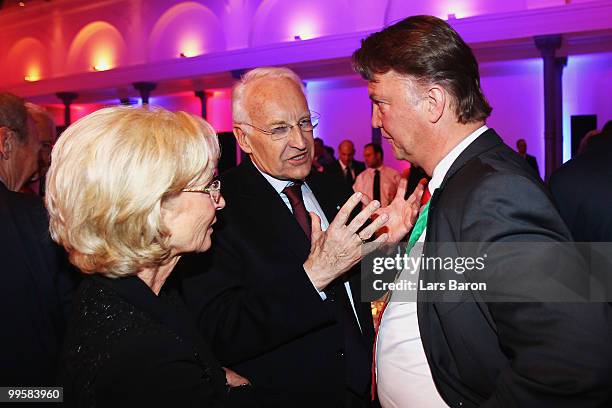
<point x="294" y="194"/>
<point x="349" y="176"/>
<point x="376" y="186"/>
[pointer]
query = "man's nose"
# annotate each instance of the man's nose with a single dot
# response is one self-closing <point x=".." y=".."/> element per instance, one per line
<point x="297" y="138"/>
<point x="376" y="122"/>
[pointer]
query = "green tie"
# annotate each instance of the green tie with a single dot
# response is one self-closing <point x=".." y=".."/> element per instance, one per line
<point x="418" y="229"/>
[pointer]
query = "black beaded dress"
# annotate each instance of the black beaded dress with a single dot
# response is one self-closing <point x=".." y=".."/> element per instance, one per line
<point x="127" y="346"/>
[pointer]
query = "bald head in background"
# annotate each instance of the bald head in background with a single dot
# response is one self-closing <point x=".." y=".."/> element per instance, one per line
<point x="346" y="169"/>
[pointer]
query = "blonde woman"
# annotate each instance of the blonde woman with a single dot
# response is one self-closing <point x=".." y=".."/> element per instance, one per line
<point x="129" y="191"/>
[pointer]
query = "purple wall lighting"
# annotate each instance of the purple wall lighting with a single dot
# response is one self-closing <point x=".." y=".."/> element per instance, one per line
<point x="587" y="90"/>
<point x="515" y="90"/>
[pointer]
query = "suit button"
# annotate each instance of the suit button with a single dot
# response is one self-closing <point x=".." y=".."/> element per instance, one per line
<point x="341" y="353"/>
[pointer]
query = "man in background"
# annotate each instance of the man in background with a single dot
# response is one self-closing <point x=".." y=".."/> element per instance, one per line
<point x="36" y="283"/>
<point x="521" y="147"/>
<point x="378" y="182"/>
<point x="47" y="135"/>
<point x="346" y="168"/>
<point x="322" y="156"/>
<point x="582" y="189"/>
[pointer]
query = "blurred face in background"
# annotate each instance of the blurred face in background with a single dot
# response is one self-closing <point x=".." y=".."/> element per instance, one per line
<point x="521" y="146"/>
<point x="346" y="152"/>
<point x="26" y="154"/>
<point x="371" y="158"/>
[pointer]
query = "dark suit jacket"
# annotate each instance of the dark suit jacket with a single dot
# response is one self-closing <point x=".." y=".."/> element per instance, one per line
<point x="334" y="169"/>
<point x="582" y="189"/>
<point x="495" y="354"/>
<point x="127" y="346"/>
<point x="533" y="162"/>
<point x="255" y="304"/>
<point x="37" y="288"/>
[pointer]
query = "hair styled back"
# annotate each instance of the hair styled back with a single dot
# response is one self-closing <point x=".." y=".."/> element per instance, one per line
<point x="427" y="49"/>
<point x="14" y="115"/>
<point x="110" y="174"/>
<point x="239" y="112"/>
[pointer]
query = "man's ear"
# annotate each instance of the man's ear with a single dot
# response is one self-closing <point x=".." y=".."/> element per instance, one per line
<point x="436" y="103"/>
<point x="243" y="140"/>
<point x="7" y="139"/>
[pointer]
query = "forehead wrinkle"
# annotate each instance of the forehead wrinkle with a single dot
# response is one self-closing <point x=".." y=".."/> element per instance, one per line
<point x="268" y="100"/>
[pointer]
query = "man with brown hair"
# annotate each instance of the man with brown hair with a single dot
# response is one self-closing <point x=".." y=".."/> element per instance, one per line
<point x="455" y="348"/>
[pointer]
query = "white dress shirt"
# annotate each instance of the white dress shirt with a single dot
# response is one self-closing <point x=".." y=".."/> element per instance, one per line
<point x="403" y="376"/>
<point x="343" y="168"/>
<point x="311" y="204"/>
<point x="389" y="180"/>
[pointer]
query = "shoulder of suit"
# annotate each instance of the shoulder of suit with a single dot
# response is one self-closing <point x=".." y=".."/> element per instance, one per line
<point x="233" y="180"/>
<point x="482" y="177"/>
<point x="26" y="204"/>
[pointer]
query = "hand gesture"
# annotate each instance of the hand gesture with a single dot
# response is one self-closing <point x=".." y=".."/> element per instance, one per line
<point x="338" y="249"/>
<point x="234" y="379"/>
<point x="402" y="214"/>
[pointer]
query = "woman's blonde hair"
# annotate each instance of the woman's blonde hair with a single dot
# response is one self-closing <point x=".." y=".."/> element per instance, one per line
<point x="110" y="174"/>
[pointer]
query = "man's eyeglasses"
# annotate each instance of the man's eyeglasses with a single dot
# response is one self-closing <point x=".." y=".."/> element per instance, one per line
<point x="282" y="130"/>
<point x="213" y="189"/>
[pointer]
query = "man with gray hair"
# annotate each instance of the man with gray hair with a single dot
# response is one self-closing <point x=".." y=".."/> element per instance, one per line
<point x="36" y="286"/>
<point x="47" y="134"/>
<point x="19" y="144"/>
<point x="279" y="296"/>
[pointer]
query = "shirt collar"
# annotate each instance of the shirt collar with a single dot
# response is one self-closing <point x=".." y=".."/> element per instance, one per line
<point x="445" y="164"/>
<point x="277" y="184"/>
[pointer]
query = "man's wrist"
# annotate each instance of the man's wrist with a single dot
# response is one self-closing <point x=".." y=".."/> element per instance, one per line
<point x="315" y="276"/>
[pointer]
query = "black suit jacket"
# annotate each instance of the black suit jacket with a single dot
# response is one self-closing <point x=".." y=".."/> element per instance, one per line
<point x="495" y="354"/>
<point x="255" y="304"/>
<point x="126" y="346"/>
<point x="533" y="162"/>
<point x="334" y="169"/>
<point x="37" y="288"/>
<point x="582" y="189"/>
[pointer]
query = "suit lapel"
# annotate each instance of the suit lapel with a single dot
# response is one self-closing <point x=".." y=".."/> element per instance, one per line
<point x="326" y="198"/>
<point x="271" y="213"/>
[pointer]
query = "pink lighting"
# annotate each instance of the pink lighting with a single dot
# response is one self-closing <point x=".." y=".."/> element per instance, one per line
<point x="31" y="77"/>
<point x="187" y="29"/>
<point x="99" y="45"/>
<point x="102" y="65"/>
<point x="33" y="73"/>
<point x="190" y="46"/>
<point x="29" y="61"/>
<point x="304" y="29"/>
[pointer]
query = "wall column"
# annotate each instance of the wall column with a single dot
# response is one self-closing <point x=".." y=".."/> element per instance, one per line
<point x="553" y="101"/>
<point x="67" y="98"/>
